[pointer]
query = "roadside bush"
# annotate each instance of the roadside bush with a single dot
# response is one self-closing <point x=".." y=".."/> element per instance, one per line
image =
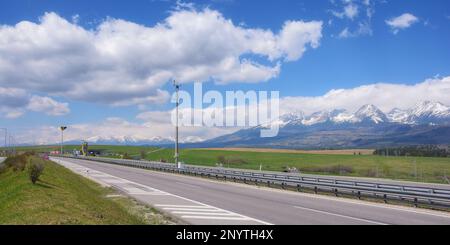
<point x="17" y="163"/>
<point x="35" y="169"/>
<point x="2" y="168"/>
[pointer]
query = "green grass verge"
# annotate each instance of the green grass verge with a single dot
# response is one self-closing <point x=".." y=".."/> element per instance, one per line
<point x="62" y="197"/>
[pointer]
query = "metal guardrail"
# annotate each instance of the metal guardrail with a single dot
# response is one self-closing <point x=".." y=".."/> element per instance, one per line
<point x="416" y="195"/>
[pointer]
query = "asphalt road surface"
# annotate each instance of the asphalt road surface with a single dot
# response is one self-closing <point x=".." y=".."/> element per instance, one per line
<point x="249" y="204"/>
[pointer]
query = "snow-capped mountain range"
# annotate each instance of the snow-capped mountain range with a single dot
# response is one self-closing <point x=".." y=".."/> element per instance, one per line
<point x="369" y="127"/>
<point x="423" y="113"/>
<point x="426" y="122"/>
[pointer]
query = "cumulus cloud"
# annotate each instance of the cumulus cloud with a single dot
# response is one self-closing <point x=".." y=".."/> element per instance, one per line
<point x="117" y="128"/>
<point x="349" y="11"/>
<point x="151" y="124"/>
<point x="401" y="22"/>
<point x="386" y="96"/>
<point x="48" y="106"/>
<point x="15" y="102"/>
<point x="122" y="63"/>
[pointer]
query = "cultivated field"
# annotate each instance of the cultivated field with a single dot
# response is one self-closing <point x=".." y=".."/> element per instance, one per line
<point x="324" y="152"/>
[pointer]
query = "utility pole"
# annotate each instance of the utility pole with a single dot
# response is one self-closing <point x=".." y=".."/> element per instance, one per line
<point x="62" y="138"/>
<point x="6" y="138"/>
<point x="12" y="145"/>
<point x="177" y="152"/>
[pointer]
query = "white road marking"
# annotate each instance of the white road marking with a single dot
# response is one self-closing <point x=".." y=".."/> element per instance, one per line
<point x="207" y="211"/>
<point x="209" y="214"/>
<point x="214" y="218"/>
<point x="192" y="209"/>
<point x="177" y="206"/>
<point x="340" y="215"/>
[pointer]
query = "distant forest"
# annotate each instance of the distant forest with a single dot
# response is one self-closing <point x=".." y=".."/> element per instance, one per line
<point x="416" y="151"/>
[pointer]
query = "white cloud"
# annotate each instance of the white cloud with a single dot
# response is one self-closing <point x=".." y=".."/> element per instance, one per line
<point x="363" y="29"/>
<point x="15" y="102"/>
<point x="360" y="24"/>
<point x="122" y="63"/>
<point x="402" y="22"/>
<point x="384" y="95"/>
<point x="117" y="128"/>
<point x="350" y="11"/>
<point x="48" y="106"/>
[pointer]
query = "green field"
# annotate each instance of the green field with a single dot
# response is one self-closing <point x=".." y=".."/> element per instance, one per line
<point x="421" y="169"/>
<point x="62" y="197"/>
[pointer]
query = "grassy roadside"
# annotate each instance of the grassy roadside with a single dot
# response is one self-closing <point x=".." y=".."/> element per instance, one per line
<point x="62" y="197"/>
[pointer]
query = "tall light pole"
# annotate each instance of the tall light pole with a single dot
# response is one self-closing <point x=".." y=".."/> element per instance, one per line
<point x="177" y="153"/>
<point x="62" y="138"/>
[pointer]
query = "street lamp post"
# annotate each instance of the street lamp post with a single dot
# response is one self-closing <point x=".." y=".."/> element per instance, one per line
<point x="62" y="138"/>
<point x="177" y="153"/>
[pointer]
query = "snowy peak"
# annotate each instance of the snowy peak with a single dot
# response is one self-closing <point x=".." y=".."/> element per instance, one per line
<point x="423" y="113"/>
<point x="321" y="117"/>
<point x="430" y="109"/>
<point x="292" y="117"/>
<point x="126" y="140"/>
<point x="371" y="113"/>
<point x="398" y="116"/>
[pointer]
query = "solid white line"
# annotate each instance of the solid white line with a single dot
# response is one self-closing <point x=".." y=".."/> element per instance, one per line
<point x="177" y="206"/>
<point x="192" y="209"/>
<point x="215" y="218"/>
<point x="209" y="214"/>
<point x="340" y="215"/>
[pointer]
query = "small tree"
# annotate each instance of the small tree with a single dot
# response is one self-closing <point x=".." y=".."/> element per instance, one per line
<point x="143" y="154"/>
<point x="221" y="160"/>
<point x="35" y="170"/>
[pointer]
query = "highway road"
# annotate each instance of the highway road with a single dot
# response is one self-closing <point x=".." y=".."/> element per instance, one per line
<point x="357" y="179"/>
<point x="210" y="202"/>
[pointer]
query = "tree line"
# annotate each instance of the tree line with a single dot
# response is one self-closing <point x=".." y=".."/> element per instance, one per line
<point x="415" y="151"/>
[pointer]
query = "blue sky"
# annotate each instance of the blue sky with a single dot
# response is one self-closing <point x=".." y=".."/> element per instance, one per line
<point x="370" y="51"/>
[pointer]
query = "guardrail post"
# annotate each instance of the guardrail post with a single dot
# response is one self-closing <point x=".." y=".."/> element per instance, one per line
<point x="416" y="202"/>
<point x="336" y="192"/>
<point x="268" y="183"/>
<point x="359" y="195"/>
<point x="385" y="198"/>
<point x="315" y="189"/>
<point x="299" y="188"/>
